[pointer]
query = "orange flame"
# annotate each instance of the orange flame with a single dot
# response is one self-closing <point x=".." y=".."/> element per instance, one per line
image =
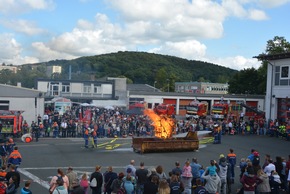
<point x="163" y="125"/>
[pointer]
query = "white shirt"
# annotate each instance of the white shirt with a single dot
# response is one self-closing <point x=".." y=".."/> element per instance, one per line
<point x="269" y="168"/>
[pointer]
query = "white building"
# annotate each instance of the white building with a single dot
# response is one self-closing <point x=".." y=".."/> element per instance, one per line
<point x="22" y="99"/>
<point x="277" y="102"/>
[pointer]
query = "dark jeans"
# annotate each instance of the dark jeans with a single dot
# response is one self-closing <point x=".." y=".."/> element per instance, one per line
<point x="97" y="190"/>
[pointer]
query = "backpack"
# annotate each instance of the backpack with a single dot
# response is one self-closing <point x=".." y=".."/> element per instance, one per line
<point x="256" y="159"/>
<point x="2" y="188"/>
<point x="93" y="183"/>
<point x="121" y="191"/>
<point x="128" y="185"/>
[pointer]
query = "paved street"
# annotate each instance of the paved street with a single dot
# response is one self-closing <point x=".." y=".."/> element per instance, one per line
<point x="41" y="159"/>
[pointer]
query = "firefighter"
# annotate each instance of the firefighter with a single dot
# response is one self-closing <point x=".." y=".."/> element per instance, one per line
<point x="217" y="134"/>
<point x="15" y="158"/>
<point x="86" y="137"/>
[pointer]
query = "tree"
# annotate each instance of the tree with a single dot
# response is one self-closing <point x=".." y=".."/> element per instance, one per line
<point x="258" y="86"/>
<point x="277" y="46"/>
<point x="245" y="82"/>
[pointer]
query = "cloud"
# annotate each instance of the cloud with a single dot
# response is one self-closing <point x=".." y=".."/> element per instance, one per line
<point x="255" y="14"/>
<point x="11" y="51"/>
<point x="188" y="49"/>
<point x="22" y="26"/>
<point x="179" y="26"/>
<point x="236" y="62"/>
<point x="272" y="3"/>
<point x="12" y="7"/>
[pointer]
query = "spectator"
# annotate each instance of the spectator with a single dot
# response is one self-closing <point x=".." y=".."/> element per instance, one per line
<point x="163" y="187"/>
<point x="151" y="187"/>
<point x="213" y="182"/>
<point x="200" y="189"/>
<point x="186" y="177"/>
<point x="269" y="168"/>
<point x="25" y="189"/>
<point x="160" y="172"/>
<point x="16" y="176"/>
<point x="12" y="185"/>
<point x="131" y="165"/>
<point x="141" y="176"/>
<point x="250" y="181"/>
<point x="71" y="175"/>
<point x="175" y="185"/>
<point x="195" y="167"/>
<point x="264" y="186"/>
<point x="84" y="183"/>
<point x="60" y="175"/>
<point x="60" y="188"/>
<point x="3" y="185"/>
<point x="77" y="189"/>
<point x="223" y="168"/>
<point x="109" y="177"/>
<point x="97" y="189"/>
<point x="177" y="169"/>
<point x="117" y="183"/>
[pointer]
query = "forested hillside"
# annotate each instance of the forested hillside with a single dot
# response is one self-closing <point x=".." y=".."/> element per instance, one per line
<point x="138" y="67"/>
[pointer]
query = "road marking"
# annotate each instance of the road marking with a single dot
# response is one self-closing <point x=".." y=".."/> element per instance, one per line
<point x="36" y="179"/>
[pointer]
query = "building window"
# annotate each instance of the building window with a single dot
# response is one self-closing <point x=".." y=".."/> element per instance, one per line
<point x="65" y="87"/>
<point x="4" y="105"/>
<point x="87" y="88"/>
<point x="284" y="72"/>
<point x="97" y="89"/>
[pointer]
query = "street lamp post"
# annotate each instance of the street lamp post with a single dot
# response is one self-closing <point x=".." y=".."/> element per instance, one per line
<point x="154" y="85"/>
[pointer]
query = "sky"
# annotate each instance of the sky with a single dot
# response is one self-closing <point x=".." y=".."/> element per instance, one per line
<point x="224" y="32"/>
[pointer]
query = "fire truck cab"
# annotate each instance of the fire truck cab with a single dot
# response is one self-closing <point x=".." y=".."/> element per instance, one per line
<point x="10" y="122"/>
<point x="164" y="109"/>
<point x="220" y="110"/>
<point x="197" y="109"/>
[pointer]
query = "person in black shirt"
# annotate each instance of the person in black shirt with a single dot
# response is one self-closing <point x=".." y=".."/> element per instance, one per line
<point x="15" y="174"/>
<point x="99" y="178"/>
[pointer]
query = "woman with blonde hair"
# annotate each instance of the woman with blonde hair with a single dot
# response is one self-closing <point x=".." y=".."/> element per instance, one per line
<point x="163" y="187"/>
<point x="264" y="186"/>
<point x="84" y="183"/>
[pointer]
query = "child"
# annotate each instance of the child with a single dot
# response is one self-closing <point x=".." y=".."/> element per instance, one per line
<point x="243" y="165"/>
<point x="212" y="168"/>
<point x="25" y="189"/>
<point x="84" y="183"/>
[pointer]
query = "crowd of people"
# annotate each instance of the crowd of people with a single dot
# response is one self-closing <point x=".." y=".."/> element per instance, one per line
<point x="116" y="123"/>
<point x="189" y="177"/>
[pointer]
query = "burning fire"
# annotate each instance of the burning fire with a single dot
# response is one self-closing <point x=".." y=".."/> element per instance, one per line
<point x="163" y="125"/>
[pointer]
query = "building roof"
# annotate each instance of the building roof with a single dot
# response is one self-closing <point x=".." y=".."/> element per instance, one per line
<point x="141" y="88"/>
<point x="273" y="57"/>
<point x="15" y="91"/>
<point x="197" y="95"/>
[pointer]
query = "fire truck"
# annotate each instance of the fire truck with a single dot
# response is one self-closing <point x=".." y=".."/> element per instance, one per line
<point x="10" y="122"/>
<point x="197" y="109"/>
<point x="165" y="109"/>
<point x="220" y="110"/>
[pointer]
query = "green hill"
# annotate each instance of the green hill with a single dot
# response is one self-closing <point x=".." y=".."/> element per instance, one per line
<point x="138" y="67"/>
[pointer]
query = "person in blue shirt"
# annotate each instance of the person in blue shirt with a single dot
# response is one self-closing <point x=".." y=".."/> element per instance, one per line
<point x="195" y="167"/>
<point x="25" y="189"/>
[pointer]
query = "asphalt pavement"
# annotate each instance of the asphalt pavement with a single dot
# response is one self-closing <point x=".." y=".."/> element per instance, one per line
<point x="41" y="159"/>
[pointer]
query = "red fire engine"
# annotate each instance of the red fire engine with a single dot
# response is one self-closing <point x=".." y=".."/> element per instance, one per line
<point x="10" y="122"/>
<point x="197" y="109"/>
<point x="165" y="109"/>
<point x="220" y="110"/>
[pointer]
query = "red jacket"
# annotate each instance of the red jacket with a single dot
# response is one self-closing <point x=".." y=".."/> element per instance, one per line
<point x="250" y="181"/>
